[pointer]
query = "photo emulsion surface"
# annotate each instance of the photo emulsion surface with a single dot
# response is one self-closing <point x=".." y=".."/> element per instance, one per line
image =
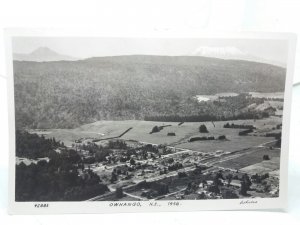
<point x="137" y="119"/>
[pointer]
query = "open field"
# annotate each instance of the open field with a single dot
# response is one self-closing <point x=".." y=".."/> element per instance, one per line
<point x="233" y="143"/>
<point x="268" y="166"/>
<point x="254" y="157"/>
<point x="27" y="161"/>
<point x="141" y="132"/>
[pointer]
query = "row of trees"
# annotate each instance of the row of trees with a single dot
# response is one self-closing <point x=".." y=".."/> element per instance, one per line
<point x="205" y="118"/>
<point x="238" y="126"/>
<point x="210" y="138"/>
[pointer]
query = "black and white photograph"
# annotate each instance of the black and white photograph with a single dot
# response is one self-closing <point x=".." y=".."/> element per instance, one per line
<point x="131" y="120"/>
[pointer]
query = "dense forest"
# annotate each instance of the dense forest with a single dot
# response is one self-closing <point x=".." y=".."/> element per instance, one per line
<point x="56" y="180"/>
<point x="66" y="94"/>
<point x="33" y="146"/>
<point x="231" y="108"/>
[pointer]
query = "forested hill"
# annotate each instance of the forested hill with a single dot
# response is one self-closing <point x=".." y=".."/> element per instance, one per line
<point x="67" y="94"/>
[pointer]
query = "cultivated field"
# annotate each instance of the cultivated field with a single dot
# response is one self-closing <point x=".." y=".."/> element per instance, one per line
<point x="255" y="159"/>
<point x="233" y="143"/>
<point x="266" y="166"/>
<point x="141" y="132"/>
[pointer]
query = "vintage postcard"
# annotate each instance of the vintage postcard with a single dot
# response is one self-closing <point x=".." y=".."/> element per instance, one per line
<point x="131" y="123"/>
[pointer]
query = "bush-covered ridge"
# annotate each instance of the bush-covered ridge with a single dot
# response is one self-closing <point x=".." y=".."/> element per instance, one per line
<point x="68" y="94"/>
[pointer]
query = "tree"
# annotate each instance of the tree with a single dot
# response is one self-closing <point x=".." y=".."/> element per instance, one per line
<point x="203" y="129"/>
<point x="132" y="161"/>
<point x="229" y="179"/>
<point x="247" y="180"/>
<point x="216" y="183"/>
<point x="245" y="184"/>
<point x="202" y="195"/>
<point x="155" y="129"/>
<point x="198" y="170"/>
<point x="227" y="125"/>
<point x="222" y="137"/>
<point x="229" y="194"/>
<point x="243" y="188"/>
<point x="278" y="143"/>
<point x="267" y="187"/>
<point x="113" y="177"/>
<point x="119" y="192"/>
<point x="181" y="174"/>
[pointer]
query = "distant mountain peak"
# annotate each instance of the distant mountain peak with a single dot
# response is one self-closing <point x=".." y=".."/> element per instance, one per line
<point x="227" y="52"/>
<point x="42" y="54"/>
<point x="43" y="50"/>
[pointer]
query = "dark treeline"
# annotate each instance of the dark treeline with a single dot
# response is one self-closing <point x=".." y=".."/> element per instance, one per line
<point x="56" y="180"/>
<point x="201" y="138"/>
<point x="273" y="99"/>
<point x="33" y="146"/>
<point x="238" y="126"/>
<point x="204" y="118"/>
<point x="245" y="132"/>
<point x="275" y="135"/>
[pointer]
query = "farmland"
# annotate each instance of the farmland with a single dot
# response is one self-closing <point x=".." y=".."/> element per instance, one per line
<point x="253" y="159"/>
<point x="152" y="164"/>
<point x="269" y="166"/>
<point x="141" y="132"/>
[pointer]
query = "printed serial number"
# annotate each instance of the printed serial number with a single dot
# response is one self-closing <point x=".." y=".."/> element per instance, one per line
<point x="43" y="205"/>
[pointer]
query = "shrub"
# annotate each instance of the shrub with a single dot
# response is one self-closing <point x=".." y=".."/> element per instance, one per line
<point x="203" y="129"/>
<point x="181" y="174"/>
<point x="155" y="129"/>
<point x="222" y="137"/>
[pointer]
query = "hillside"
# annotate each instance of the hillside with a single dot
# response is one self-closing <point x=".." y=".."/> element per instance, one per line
<point x="67" y="94"/>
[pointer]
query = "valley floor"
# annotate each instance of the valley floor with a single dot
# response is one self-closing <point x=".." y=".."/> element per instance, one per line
<point x="232" y="158"/>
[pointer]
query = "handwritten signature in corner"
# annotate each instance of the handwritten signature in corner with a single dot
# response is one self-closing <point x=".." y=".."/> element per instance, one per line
<point x="248" y="202"/>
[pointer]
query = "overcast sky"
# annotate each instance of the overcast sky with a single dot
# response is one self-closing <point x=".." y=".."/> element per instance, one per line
<point x="272" y="50"/>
